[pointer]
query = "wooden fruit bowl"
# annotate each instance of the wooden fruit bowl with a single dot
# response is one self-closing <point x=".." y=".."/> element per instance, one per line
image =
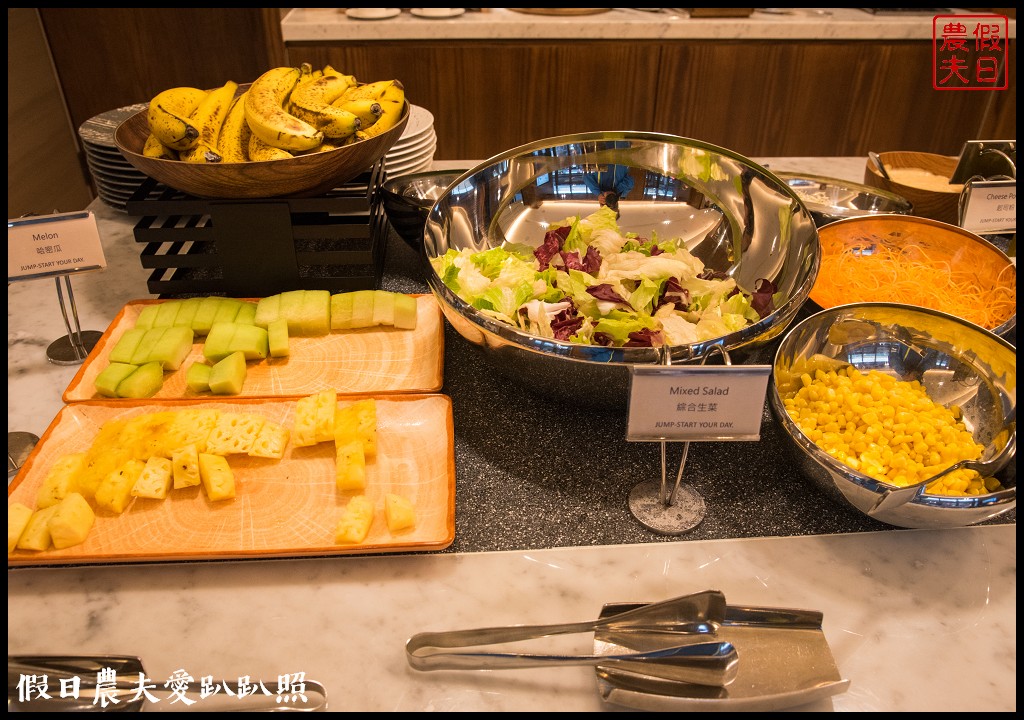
<point x="301" y="176"/>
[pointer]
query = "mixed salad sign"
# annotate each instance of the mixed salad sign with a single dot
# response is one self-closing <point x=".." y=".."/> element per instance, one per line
<point x="589" y="283"/>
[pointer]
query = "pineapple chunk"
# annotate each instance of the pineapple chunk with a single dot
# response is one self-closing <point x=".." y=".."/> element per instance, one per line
<point x="355" y="521"/>
<point x="18" y="516"/>
<point x="147" y="435"/>
<point x="186" y="467"/>
<point x="217" y="477"/>
<point x="358" y="421"/>
<point x="61" y="480"/>
<point x="271" y="442"/>
<point x="115" y="491"/>
<point x="234" y="433"/>
<point x="155" y="480"/>
<point x="314" y="418"/>
<point x="350" y="467"/>
<point x="192" y="427"/>
<point x="104" y="456"/>
<point x="326" y="404"/>
<point x="36" y="535"/>
<point x="71" y="522"/>
<point x="399" y="512"/>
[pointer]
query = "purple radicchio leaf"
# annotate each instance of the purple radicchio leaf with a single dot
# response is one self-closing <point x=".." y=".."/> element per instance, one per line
<point x="552" y="245"/>
<point x="761" y="299"/>
<point x="605" y="291"/>
<point x="643" y="338"/>
<point x="675" y="294"/>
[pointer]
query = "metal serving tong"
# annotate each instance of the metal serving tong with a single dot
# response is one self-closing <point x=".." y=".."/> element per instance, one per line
<point x="690" y="621"/>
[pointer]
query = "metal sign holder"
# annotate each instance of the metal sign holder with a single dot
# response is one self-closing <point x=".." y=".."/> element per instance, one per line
<point x="985" y="158"/>
<point x="682" y="509"/>
<point x="73" y="348"/>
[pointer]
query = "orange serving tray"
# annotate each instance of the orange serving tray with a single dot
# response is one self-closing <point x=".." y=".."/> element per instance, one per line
<point x="282" y="508"/>
<point x="370" y="361"/>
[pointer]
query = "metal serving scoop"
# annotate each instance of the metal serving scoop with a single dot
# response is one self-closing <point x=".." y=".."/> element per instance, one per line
<point x="60" y="673"/>
<point x="878" y="164"/>
<point x="691" y="620"/>
<point x="996" y="461"/>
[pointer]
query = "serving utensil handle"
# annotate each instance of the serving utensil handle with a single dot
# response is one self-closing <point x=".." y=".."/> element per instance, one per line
<point x="707" y="663"/>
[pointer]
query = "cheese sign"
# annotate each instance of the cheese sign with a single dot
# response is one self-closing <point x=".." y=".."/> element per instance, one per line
<point x="50" y="245"/>
<point x="990" y="207"/>
<point x="687" y="402"/>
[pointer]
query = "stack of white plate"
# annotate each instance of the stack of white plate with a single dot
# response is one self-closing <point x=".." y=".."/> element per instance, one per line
<point x="414" y="151"/>
<point x="115" y="180"/>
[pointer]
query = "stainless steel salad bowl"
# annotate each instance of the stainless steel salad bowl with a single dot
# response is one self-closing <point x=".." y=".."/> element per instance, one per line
<point x="956" y="362"/>
<point x="831" y="199"/>
<point x="732" y="214"/>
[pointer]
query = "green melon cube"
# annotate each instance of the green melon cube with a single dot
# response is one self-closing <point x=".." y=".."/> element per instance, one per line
<point x="111" y="376"/>
<point x="268" y="309"/>
<point x="291" y="308"/>
<point x="167" y="313"/>
<point x="246" y="314"/>
<point x="207" y="311"/>
<point x="145" y="382"/>
<point x="277" y="338"/>
<point x="146" y="316"/>
<point x="251" y="341"/>
<point x="124" y="348"/>
<point x="173" y="347"/>
<point x="406" y="311"/>
<point x="341" y="311"/>
<point x="383" y="307"/>
<point x="228" y="310"/>
<point x="187" y="312"/>
<point x="314" y="318"/>
<point x="197" y="378"/>
<point x="228" y="376"/>
<point x="362" y="308"/>
<point x="218" y="341"/>
<point x="146" y="345"/>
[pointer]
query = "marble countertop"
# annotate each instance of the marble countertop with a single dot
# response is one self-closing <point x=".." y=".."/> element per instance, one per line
<point x="529" y="549"/>
<point x="331" y="24"/>
<point x="917" y="620"/>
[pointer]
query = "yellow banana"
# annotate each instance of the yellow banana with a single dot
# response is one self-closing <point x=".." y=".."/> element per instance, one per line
<point x="201" y="153"/>
<point x="305" y="73"/>
<point x="156" y="149"/>
<point x="375" y="90"/>
<point x="395" y="93"/>
<point x="368" y="111"/>
<point x="264" y="112"/>
<point x="259" y="151"/>
<point x="350" y="79"/>
<point x="209" y="118"/>
<point x="392" y="103"/>
<point x="312" y="102"/>
<point x="168" y="116"/>
<point x="233" y="143"/>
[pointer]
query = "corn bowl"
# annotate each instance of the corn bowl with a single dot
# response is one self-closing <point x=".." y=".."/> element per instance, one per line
<point x="874" y="397"/>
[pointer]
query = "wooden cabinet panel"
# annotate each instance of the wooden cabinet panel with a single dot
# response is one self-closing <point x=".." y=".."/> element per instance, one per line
<point x="822" y="99"/>
<point x="758" y="98"/>
<point x="489" y="97"/>
<point x="111" y="57"/>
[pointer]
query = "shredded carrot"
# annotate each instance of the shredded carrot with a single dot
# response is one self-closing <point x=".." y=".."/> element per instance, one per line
<point x="964" y="282"/>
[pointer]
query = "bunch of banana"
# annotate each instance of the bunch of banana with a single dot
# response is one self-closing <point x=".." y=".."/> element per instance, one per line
<point x="209" y="118"/>
<point x="233" y="143"/>
<point x="383" y="99"/>
<point x="285" y="112"/>
<point x="168" y="117"/>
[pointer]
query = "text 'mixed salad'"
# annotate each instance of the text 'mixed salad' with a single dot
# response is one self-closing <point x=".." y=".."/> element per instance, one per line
<point x="589" y="283"/>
